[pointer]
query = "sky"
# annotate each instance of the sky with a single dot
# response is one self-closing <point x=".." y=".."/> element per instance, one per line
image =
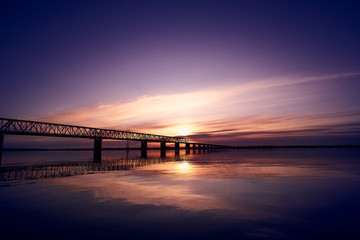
<point x="222" y="72"/>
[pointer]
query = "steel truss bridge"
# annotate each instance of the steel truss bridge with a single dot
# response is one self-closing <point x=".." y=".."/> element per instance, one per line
<point x="34" y="128"/>
<point x="23" y="127"/>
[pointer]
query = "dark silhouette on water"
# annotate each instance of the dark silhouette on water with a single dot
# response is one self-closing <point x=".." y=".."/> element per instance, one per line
<point x="24" y="127"/>
<point x="34" y="128"/>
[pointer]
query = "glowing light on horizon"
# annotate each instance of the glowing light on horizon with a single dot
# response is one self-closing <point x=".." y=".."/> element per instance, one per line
<point x="182" y="130"/>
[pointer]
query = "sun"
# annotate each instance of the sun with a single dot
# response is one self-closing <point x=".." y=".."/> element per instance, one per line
<point x="183" y="130"/>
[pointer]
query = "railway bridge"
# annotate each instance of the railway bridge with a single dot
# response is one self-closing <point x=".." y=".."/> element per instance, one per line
<point x="35" y="128"/>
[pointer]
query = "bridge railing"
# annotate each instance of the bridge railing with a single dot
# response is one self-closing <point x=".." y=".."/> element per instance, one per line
<point x="24" y="127"/>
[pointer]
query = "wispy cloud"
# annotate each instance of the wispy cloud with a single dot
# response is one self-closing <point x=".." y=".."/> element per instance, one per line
<point x="264" y="108"/>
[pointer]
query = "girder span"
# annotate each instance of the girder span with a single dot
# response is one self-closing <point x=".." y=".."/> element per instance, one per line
<point x="25" y="127"/>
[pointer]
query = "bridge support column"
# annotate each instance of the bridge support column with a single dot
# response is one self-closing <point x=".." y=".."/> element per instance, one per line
<point x="177" y="149"/>
<point x="163" y="149"/>
<point x="177" y="146"/>
<point x="163" y="146"/>
<point x="97" y="150"/>
<point x="143" y="149"/>
<point x="1" y="145"/>
<point x="187" y="148"/>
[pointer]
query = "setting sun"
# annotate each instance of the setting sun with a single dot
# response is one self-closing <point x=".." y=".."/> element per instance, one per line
<point x="183" y="130"/>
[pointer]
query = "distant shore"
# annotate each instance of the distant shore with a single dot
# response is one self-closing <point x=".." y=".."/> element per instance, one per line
<point x="157" y="148"/>
<point x="298" y="146"/>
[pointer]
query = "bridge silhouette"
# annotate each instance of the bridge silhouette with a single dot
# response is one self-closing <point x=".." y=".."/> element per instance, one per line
<point x="34" y="128"/>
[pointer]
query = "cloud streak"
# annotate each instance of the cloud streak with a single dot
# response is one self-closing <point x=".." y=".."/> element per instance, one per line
<point x="290" y="106"/>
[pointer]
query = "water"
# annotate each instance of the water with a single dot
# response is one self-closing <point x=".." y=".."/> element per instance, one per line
<point x="246" y="194"/>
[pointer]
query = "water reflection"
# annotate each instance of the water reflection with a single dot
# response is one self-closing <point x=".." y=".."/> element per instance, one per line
<point x="10" y="175"/>
<point x="209" y="183"/>
<point x="282" y="194"/>
<point x="23" y="174"/>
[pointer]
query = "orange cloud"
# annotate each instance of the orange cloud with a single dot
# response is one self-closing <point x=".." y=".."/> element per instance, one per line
<point x="263" y="108"/>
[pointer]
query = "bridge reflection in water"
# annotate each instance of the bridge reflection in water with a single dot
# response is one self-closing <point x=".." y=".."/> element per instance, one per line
<point x="11" y="175"/>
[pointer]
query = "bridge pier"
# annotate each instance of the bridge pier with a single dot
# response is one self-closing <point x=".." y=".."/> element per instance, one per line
<point x="177" y="149"/>
<point x="1" y="145"/>
<point x="97" y="150"/>
<point x="187" y="148"/>
<point x="163" y="149"/>
<point x="143" y="149"/>
<point x="163" y="146"/>
<point x="177" y="146"/>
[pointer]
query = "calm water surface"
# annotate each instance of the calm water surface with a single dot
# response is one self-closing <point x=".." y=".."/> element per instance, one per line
<point x="246" y="194"/>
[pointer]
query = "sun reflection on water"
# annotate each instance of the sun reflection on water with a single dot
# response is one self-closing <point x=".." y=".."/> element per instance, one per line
<point x="184" y="167"/>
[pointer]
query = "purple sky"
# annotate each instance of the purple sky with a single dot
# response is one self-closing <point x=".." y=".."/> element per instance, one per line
<point x="226" y="72"/>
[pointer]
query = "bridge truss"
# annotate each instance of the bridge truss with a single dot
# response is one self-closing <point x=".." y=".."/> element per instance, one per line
<point x="24" y="127"/>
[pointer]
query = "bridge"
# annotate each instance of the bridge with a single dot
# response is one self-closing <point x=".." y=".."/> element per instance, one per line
<point x="35" y="128"/>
